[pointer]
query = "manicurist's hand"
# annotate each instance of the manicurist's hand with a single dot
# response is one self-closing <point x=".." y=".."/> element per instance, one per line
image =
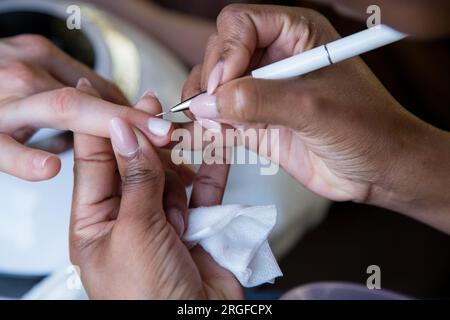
<point x="36" y="91"/>
<point x="342" y="135"/>
<point x="128" y="215"/>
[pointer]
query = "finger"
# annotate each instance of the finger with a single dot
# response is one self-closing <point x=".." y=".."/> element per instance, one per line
<point x="159" y="128"/>
<point x="141" y="173"/>
<point x="95" y="167"/>
<point x="67" y="70"/>
<point x="192" y="87"/>
<point x="24" y="134"/>
<point x="25" y="79"/>
<point x="95" y="184"/>
<point x="239" y="34"/>
<point x="249" y="100"/>
<point x="26" y="163"/>
<point x="95" y="201"/>
<point x="245" y="29"/>
<point x="70" y="109"/>
<point x="175" y="202"/>
<point x="212" y="58"/>
<point x="64" y="141"/>
<point x="185" y="172"/>
<point x="209" y="185"/>
<point x="149" y="103"/>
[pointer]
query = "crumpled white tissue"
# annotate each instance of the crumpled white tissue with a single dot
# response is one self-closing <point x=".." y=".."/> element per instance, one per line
<point x="236" y="237"/>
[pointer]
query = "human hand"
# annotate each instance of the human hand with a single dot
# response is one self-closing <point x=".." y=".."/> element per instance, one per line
<point x="342" y="135"/>
<point x="34" y="94"/>
<point x="124" y="234"/>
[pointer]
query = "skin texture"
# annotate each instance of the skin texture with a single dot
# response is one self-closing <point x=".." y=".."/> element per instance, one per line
<point x="121" y="203"/>
<point x="342" y="135"/>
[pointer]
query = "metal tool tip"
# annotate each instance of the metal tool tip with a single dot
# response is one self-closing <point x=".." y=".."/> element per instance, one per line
<point x="161" y="114"/>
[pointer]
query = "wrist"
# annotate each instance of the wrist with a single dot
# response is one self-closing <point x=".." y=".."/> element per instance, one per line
<point x="418" y="179"/>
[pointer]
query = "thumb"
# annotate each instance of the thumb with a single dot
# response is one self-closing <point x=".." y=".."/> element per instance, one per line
<point x="249" y="100"/>
<point x="141" y="172"/>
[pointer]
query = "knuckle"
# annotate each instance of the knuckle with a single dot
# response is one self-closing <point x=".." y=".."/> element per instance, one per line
<point x="207" y="180"/>
<point x="136" y="176"/>
<point x="233" y="24"/>
<point x="63" y="102"/>
<point x="37" y="45"/>
<point x="230" y="12"/>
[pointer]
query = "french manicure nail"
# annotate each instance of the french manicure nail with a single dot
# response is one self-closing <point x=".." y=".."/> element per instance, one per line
<point x="84" y="82"/>
<point x="210" y="124"/>
<point x="204" y="106"/>
<point x="40" y="160"/>
<point x="123" y="138"/>
<point x="158" y="126"/>
<point x="150" y="93"/>
<point x="175" y="218"/>
<point x="215" y="78"/>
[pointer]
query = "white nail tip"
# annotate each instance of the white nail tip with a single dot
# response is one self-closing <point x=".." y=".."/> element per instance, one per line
<point x="159" y="127"/>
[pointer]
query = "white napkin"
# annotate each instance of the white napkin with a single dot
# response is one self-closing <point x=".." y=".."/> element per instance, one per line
<point x="236" y="237"/>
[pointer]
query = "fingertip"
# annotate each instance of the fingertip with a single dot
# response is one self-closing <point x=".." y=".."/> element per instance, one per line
<point x="45" y="166"/>
<point x="53" y="166"/>
<point x="149" y="103"/>
<point x="84" y="82"/>
<point x="123" y="138"/>
<point x="160" y="128"/>
<point x="85" y="85"/>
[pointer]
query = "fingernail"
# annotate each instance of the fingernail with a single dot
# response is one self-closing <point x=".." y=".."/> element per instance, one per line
<point x="204" y="106"/>
<point x="150" y="93"/>
<point x="123" y="138"/>
<point x="175" y="218"/>
<point x="215" y="78"/>
<point x="40" y="160"/>
<point x="158" y="126"/>
<point x="84" y="82"/>
<point x="210" y="124"/>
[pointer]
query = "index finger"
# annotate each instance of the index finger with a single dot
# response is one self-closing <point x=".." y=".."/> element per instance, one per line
<point x="244" y="29"/>
<point x="71" y="109"/>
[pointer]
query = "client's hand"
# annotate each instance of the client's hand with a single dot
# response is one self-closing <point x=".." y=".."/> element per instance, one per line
<point x="120" y="235"/>
<point x="34" y="76"/>
<point x="342" y="134"/>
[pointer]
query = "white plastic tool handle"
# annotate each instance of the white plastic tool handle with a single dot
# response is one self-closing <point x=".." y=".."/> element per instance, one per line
<point x="330" y="53"/>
